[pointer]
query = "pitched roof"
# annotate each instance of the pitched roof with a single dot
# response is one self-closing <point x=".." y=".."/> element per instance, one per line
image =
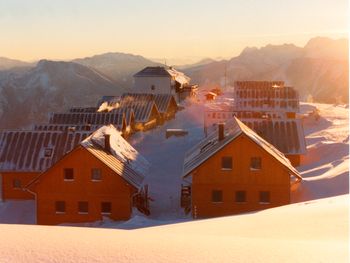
<point x="93" y="118"/>
<point x="122" y="158"/>
<point x="210" y="145"/>
<point x="35" y="151"/>
<point x="287" y="135"/>
<point x="163" y="72"/>
<point x="153" y="72"/>
<point x="162" y="101"/>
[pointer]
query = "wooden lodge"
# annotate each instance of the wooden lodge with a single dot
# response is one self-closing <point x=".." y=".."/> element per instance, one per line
<point x="26" y="154"/>
<point x="101" y="177"/>
<point x="234" y="170"/>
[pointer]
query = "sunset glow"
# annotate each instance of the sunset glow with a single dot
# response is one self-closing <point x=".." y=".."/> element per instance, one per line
<point x="32" y="30"/>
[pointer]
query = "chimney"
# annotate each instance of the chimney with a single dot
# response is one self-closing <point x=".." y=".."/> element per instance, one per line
<point x="107" y="142"/>
<point x="221" y="132"/>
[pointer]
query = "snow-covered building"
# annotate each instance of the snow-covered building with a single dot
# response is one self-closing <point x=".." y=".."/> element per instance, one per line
<point x="160" y="80"/>
<point x="234" y="170"/>
<point x="101" y="177"/>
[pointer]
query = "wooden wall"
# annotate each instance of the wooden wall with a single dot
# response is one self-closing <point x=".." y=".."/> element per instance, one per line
<point x="209" y="176"/>
<point x="8" y="190"/>
<point x="52" y="187"/>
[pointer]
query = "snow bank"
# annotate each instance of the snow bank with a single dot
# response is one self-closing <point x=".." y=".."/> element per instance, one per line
<point x="301" y="232"/>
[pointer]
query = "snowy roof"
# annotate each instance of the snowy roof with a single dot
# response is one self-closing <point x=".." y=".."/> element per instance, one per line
<point x="210" y="145"/>
<point x="93" y="118"/>
<point x="287" y="135"/>
<point x="35" y="151"/>
<point x="122" y="158"/>
<point x="153" y="72"/>
<point x="162" y="101"/>
<point x="142" y="108"/>
<point x="163" y="72"/>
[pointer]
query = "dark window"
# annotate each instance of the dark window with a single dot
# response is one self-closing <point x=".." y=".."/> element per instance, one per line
<point x="240" y="196"/>
<point x="60" y="206"/>
<point x="226" y="163"/>
<point x="68" y="174"/>
<point x="216" y="196"/>
<point x="16" y="183"/>
<point x="96" y="174"/>
<point x="83" y="207"/>
<point x="48" y="152"/>
<point x="255" y="163"/>
<point x="264" y="197"/>
<point x="106" y="207"/>
<point x="153" y="87"/>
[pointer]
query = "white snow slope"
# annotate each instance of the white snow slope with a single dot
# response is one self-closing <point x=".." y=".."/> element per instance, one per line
<point x="309" y="231"/>
<point x="305" y="232"/>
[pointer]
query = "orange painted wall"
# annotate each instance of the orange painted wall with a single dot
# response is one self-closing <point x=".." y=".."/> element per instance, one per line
<point x="52" y="187"/>
<point x="209" y="176"/>
<point x="9" y="192"/>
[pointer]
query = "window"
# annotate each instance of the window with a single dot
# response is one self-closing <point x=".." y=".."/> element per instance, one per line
<point x="226" y="163"/>
<point x="106" y="207"/>
<point x="153" y="87"/>
<point x="240" y="197"/>
<point x="17" y="183"/>
<point x="48" y="152"/>
<point x="216" y="196"/>
<point x="68" y="174"/>
<point x="60" y="207"/>
<point x="83" y="207"/>
<point x="264" y="197"/>
<point x="255" y="163"/>
<point x="96" y="174"/>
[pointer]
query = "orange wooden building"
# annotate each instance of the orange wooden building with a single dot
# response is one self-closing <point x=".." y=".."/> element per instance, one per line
<point x="100" y="177"/>
<point x="233" y="171"/>
<point x="24" y="154"/>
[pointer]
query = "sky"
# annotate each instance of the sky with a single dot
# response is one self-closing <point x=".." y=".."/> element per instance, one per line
<point x="67" y="29"/>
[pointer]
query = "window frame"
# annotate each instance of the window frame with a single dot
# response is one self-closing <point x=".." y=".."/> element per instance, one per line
<point x="65" y="174"/>
<point x="110" y="210"/>
<point x="92" y="175"/>
<point x="87" y="206"/>
<point x="245" y="197"/>
<point x="217" y="191"/>
<point x="251" y="163"/>
<point x="16" y="184"/>
<point x="222" y="163"/>
<point x="64" y="207"/>
<point x="268" y="195"/>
